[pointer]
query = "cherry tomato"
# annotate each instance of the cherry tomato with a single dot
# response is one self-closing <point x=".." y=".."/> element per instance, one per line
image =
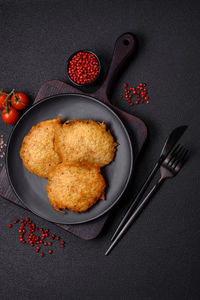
<point x="2" y="99"/>
<point x="10" y="115"/>
<point x="19" y="101"/>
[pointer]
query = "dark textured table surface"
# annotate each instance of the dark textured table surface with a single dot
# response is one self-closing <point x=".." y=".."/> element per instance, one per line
<point x="159" y="256"/>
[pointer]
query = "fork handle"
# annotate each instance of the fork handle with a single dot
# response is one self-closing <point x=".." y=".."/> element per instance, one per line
<point x="135" y="214"/>
<point x="143" y="203"/>
<point x="137" y="199"/>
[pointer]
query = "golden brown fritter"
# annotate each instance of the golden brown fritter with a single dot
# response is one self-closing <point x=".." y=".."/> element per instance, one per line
<point x="75" y="186"/>
<point x="38" y="151"/>
<point x="85" y="141"/>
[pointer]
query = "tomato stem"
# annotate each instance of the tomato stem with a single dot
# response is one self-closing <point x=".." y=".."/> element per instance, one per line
<point x="5" y="102"/>
<point x="16" y="100"/>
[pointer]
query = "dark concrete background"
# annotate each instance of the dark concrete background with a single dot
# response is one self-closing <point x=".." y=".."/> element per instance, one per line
<point x="159" y="256"/>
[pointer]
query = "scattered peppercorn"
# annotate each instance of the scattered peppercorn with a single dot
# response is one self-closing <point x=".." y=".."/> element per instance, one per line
<point x="31" y="237"/>
<point x="139" y="91"/>
<point x="83" y="68"/>
<point x="16" y="221"/>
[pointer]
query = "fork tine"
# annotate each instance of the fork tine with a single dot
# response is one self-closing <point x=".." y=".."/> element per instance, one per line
<point x="182" y="154"/>
<point x="179" y="151"/>
<point x="175" y="149"/>
<point x="172" y="160"/>
<point x="174" y="154"/>
<point x="181" y="158"/>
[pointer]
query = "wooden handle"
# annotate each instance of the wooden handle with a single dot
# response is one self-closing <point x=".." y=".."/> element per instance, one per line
<point x="124" y="48"/>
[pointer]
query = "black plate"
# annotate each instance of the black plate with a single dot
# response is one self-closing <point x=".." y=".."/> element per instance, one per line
<point x="30" y="189"/>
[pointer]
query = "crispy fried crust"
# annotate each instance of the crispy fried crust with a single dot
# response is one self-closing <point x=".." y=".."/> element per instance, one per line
<point x="85" y="141"/>
<point x="75" y="186"/>
<point x="38" y="151"/>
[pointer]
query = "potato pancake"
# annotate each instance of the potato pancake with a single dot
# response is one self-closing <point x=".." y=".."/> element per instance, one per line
<point x="75" y="186"/>
<point x="38" y="150"/>
<point x="85" y="141"/>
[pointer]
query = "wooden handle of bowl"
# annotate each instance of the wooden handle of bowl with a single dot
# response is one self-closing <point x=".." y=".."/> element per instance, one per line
<point x="124" y="48"/>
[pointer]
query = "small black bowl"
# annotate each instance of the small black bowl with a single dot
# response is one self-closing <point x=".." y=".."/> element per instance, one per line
<point x="87" y="84"/>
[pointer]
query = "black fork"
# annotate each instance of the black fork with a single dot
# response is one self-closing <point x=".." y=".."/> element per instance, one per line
<point x="169" y="168"/>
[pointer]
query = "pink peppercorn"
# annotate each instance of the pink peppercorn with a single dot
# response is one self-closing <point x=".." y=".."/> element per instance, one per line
<point x="83" y="67"/>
